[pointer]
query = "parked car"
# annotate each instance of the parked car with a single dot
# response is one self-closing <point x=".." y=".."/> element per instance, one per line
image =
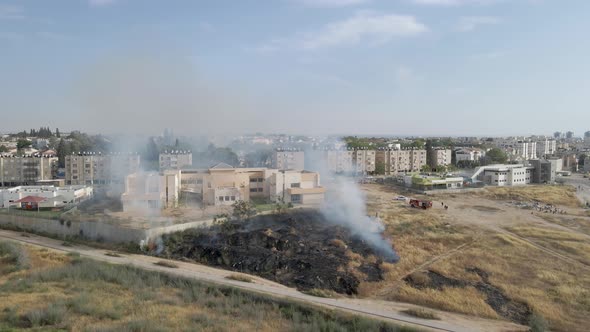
<point x="400" y="198"/>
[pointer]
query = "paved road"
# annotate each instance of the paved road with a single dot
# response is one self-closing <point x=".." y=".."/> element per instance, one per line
<point x="581" y="184"/>
<point x="384" y="310"/>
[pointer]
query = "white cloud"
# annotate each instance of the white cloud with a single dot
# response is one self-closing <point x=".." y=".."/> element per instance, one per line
<point x="363" y="26"/>
<point x="101" y="2"/>
<point x="11" y="12"/>
<point x="470" y="23"/>
<point x="331" y="3"/>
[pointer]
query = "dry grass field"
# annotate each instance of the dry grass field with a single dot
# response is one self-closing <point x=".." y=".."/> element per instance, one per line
<point x="44" y="291"/>
<point x="487" y="258"/>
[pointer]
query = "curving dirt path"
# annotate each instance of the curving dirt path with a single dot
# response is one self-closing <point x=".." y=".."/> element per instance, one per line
<point x="384" y="310"/>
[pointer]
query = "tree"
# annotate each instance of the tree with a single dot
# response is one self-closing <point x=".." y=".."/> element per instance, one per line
<point x="496" y="156"/>
<point x="3" y="148"/>
<point x="582" y="159"/>
<point x="243" y="210"/>
<point x="282" y="207"/>
<point x="62" y="152"/>
<point x="425" y="168"/>
<point x="57" y="134"/>
<point x="22" y="144"/>
<point x="380" y="168"/>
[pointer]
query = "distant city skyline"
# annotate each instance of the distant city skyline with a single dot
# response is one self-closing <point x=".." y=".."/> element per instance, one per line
<point x="351" y="67"/>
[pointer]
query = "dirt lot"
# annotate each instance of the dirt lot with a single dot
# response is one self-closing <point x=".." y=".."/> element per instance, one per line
<point x="489" y="254"/>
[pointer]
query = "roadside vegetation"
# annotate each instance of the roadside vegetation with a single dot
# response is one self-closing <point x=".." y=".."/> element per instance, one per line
<point x="62" y="292"/>
<point x="547" y="194"/>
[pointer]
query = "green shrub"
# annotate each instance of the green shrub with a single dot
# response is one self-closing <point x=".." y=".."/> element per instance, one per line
<point x="537" y="323"/>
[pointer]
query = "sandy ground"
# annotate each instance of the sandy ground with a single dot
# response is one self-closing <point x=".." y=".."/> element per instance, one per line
<point x="486" y="215"/>
<point x="390" y="311"/>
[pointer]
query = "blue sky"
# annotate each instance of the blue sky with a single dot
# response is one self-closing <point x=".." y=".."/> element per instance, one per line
<point x="396" y="67"/>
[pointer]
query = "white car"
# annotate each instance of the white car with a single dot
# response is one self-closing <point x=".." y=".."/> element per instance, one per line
<point x="400" y="198"/>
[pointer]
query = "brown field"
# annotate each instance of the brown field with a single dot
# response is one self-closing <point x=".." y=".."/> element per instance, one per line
<point x="520" y="254"/>
<point x="46" y="291"/>
<point x="556" y="195"/>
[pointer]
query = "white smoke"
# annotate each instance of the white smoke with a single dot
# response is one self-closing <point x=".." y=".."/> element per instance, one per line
<point x="345" y="205"/>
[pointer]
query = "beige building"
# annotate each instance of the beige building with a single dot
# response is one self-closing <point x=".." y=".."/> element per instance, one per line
<point x="440" y="157"/>
<point x="175" y="160"/>
<point x="27" y="170"/>
<point x="224" y="185"/>
<point x="364" y="161"/>
<point x="401" y="160"/>
<point x="340" y="161"/>
<point x="100" y="169"/>
<point x="145" y="191"/>
<point x="288" y="159"/>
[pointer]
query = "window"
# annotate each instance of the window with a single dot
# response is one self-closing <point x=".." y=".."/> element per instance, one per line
<point x="295" y="185"/>
<point x="233" y="198"/>
<point x="253" y="190"/>
<point x="221" y="198"/>
<point x="227" y="198"/>
<point x="296" y="198"/>
<point x="199" y="181"/>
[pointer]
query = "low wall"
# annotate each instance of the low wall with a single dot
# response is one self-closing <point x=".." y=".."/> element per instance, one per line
<point x="93" y="230"/>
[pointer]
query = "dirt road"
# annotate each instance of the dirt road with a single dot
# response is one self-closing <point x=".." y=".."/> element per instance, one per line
<point x="389" y="311"/>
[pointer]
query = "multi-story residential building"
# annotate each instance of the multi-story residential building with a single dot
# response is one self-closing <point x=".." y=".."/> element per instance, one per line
<point x="288" y="159"/>
<point x="504" y="175"/>
<point x="401" y="160"/>
<point x="50" y="196"/>
<point x="364" y="161"/>
<point x="89" y="168"/>
<point x="175" y="160"/>
<point x="519" y="148"/>
<point x="546" y="147"/>
<point x="27" y="170"/>
<point x="224" y="185"/>
<point x="148" y="191"/>
<point x="469" y="154"/>
<point x="440" y="157"/>
<point x="340" y="161"/>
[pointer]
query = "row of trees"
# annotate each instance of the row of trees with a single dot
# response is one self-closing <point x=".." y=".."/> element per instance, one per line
<point x="42" y="132"/>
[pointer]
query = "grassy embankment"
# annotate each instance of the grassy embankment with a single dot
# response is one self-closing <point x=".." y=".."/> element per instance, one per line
<point x="43" y="290"/>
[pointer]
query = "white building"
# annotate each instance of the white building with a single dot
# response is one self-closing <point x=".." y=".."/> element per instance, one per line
<point x="151" y="191"/>
<point x="504" y="175"/>
<point x="469" y="154"/>
<point x="54" y="196"/>
<point x="546" y="147"/>
<point x="519" y="148"/>
<point x="175" y="160"/>
<point x="288" y="159"/>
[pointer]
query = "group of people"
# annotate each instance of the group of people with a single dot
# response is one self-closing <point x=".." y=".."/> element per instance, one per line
<point x="446" y="207"/>
<point x="547" y="209"/>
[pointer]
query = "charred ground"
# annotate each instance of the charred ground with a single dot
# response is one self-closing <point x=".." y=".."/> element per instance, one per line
<point x="300" y="249"/>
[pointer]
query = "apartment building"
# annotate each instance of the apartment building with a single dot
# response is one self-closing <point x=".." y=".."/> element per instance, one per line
<point x="26" y="170"/>
<point x="46" y="196"/>
<point x="469" y="154"/>
<point x="90" y="168"/>
<point x="546" y="147"/>
<point x="504" y="175"/>
<point x="224" y="185"/>
<point x="340" y="161"/>
<point x="519" y="148"/>
<point x="175" y="160"/>
<point x="283" y="159"/>
<point x="149" y="191"/>
<point x="439" y="157"/>
<point x="400" y="161"/>
<point x="364" y="161"/>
